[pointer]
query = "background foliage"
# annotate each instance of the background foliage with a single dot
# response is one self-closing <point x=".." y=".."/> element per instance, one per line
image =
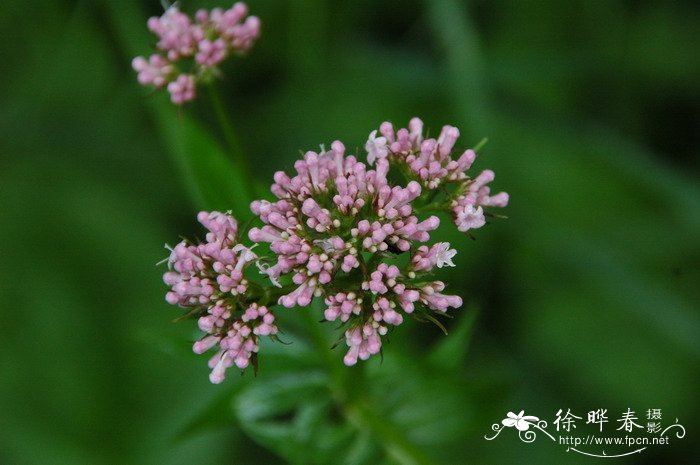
<point x="586" y="297"/>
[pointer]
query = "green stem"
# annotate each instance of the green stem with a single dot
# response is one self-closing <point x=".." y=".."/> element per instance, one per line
<point x="456" y="33"/>
<point x="234" y="146"/>
<point x="348" y="388"/>
<point x="338" y="376"/>
<point x="396" y="444"/>
<point x="270" y="295"/>
<point x="224" y="119"/>
<point x="436" y="207"/>
<point x="481" y="144"/>
<point x="431" y="196"/>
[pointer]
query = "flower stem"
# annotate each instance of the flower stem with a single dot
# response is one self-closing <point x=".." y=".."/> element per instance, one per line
<point x="481" y="144"/>
<point x="272" y="294"/>
<point x="349" y="390"/>
<point x="396" y="444"/>
<point x="234" y="146"/>
<point x="338" y="376"/>
<point x="435" y="207"/>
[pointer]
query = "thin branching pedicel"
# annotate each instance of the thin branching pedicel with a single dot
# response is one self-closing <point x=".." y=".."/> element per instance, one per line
<point x="340" y="231"/>
<point x="189" y="52"/>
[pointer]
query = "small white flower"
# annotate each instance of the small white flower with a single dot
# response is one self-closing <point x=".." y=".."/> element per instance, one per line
<point x="376" y="147"/>
<point x="444" y="255"/>
<point x="325" y="244"/>
<point x="270" y="272"/>
<point x="245" y="255"/>
<point x="170" y="258"/>
<point x="470" y="218"/>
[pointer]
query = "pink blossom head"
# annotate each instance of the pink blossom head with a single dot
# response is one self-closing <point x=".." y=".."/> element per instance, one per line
<point x="189" y="50"/>
<point x="182" y="89"/>
<point x="357" y="236"/>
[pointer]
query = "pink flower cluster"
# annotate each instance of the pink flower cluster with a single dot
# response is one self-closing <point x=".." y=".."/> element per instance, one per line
<point x="209" y="278"/>
<point x="338" y="230"/>
<point x="206" y="42"/>
<point x="240" y="342"/>
<point x="431" y="162"/>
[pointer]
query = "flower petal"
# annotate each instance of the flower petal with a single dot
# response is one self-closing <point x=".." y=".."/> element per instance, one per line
<point x="522" y="425"/>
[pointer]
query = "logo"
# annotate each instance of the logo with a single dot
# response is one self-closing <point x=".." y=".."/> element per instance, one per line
<point x="597" y="436"/>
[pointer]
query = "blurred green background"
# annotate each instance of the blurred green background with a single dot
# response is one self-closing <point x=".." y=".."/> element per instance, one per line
<point x="586" y="297"/>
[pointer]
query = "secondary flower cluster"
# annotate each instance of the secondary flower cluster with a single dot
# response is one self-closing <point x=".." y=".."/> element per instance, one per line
<point x="208" y="277"/>
<point x="341" y="231"/>
<point x="199" y="45"/>
<point x="431" y="162"/>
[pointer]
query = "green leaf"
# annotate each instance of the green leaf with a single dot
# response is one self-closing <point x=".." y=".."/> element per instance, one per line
<point x="464" y="64"/>
<point x="270" y="409"/>
<point x="450" y="353"/>
<point x="217" y="182"/>
<point x="363" y="450"/>
<point x="216" y="415"/>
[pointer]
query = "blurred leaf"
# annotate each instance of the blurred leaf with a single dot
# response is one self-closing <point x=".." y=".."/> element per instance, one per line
<point x="309" y="419"/>
<point x="450" y="353"/>
<point x="363" y="450"/>
<point x="219" y="184"/>
<point x="216" y="415"/>
<point x="266" y="410"/>
<point x="464" y="65"/>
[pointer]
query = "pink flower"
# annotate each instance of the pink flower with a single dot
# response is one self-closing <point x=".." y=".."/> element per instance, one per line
<point x="177" y="36"/>
<point x="209" y="278"/>
<point x="363" y="341"/>
<point x="182" y="89"/>
<point x="432" y="297"/>
<point x="211" y="53"/>
<point x="337" y="229"/>
<point x="155" y="71"/>
<point x="438" y="255"/>
<point x="468" y="217"/>
<point x="431" y="162"/>
<point x="342" y="305"/>
<point x="376" y="148"/>
<point x="340" y="234"/>
<point x="189" y="51"/>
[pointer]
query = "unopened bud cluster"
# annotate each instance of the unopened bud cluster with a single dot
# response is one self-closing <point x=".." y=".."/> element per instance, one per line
<point x="339" y="231"/>
<point x="189" y="51"/>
